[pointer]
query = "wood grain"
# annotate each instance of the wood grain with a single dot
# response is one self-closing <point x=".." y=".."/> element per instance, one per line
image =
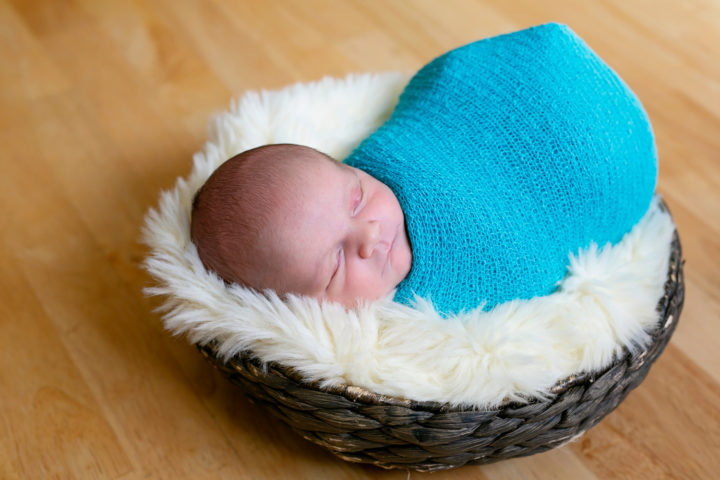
<point x="102" y="104"/>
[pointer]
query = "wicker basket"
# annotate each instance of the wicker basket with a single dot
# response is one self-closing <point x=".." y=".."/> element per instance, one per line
<point x="361" y="426"/>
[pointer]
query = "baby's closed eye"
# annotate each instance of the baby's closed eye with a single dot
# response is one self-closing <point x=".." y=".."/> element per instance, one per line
<point x="338" y="261"/>
<point x="358" y="197"/>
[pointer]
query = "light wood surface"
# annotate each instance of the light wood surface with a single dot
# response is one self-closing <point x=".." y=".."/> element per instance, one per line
<point x="102" y="104"/>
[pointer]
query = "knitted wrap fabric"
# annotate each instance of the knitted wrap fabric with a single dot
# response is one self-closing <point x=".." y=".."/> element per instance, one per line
<point x="507" y="155"/>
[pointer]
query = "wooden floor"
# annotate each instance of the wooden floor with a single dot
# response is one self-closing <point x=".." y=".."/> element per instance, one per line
<point x="102" y="104"/>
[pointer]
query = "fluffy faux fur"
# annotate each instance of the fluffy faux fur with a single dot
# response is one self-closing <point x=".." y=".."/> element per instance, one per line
<point x="517" y="351"/>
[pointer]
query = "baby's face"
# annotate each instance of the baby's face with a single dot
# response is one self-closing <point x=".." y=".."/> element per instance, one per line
<point x="339" y="233"/>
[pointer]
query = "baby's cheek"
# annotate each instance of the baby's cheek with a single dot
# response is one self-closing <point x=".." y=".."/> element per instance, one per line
<point x="364" y="282"/>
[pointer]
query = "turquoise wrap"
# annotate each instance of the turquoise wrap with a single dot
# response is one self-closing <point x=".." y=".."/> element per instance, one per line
<point x="507" y="155"/>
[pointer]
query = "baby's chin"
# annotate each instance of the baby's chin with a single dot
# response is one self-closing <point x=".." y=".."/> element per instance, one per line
<point x="361" y="299"/>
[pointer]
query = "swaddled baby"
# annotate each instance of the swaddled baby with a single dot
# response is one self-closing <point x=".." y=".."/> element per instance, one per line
<point x="503" y="157"/>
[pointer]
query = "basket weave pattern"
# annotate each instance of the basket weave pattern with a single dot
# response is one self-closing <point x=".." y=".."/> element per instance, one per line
<point x="361" y="426"/>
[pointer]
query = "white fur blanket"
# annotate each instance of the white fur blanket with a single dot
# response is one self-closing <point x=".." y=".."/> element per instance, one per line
<point x="517" y="351"/>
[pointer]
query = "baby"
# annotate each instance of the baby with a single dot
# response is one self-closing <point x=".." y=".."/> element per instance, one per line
<point x="291" y="219"/>
<point x="501" y="158"/>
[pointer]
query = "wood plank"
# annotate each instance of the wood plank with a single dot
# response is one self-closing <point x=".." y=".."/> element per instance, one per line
<point x="105" y="326"/>
<point x="634" y="441"/>
<point x="52" y="424"/>
<point x="26" y="72"/>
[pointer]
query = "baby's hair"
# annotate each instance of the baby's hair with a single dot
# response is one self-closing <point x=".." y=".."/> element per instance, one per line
<point x="231" y="211"/>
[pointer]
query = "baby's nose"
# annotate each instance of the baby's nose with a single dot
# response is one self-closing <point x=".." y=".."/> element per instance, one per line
<point x="369" y="238"/>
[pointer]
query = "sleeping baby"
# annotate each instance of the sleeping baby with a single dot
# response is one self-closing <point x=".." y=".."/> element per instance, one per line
<point x="291" y="219"/>
<point x="501" y="159"/>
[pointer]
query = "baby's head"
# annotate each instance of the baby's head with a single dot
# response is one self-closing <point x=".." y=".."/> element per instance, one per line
<point x="291" y="219"/>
